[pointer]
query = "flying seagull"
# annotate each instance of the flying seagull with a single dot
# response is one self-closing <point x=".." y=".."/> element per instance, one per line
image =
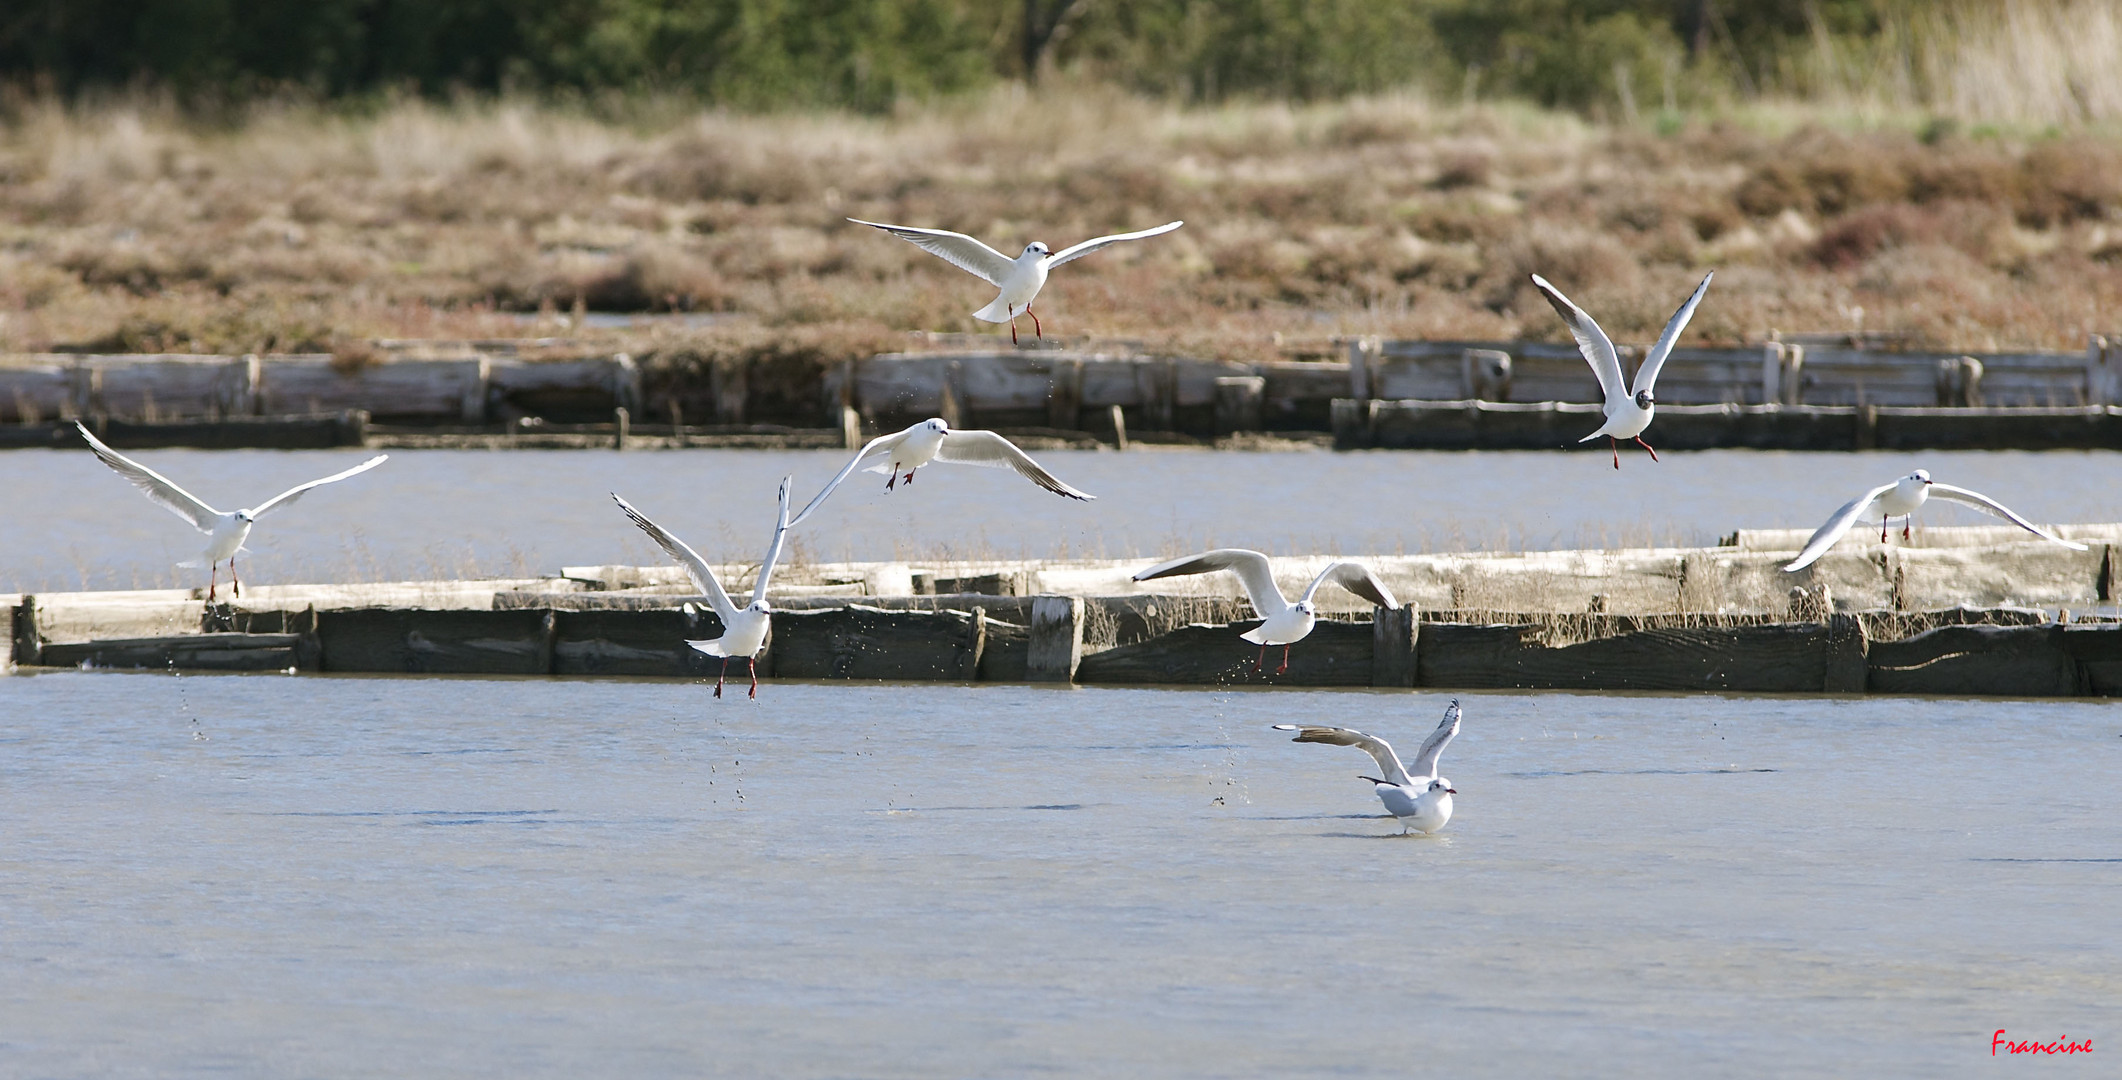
<point x="1628" y="410"/>
<point x="1901" y="499"/>
<point x="743" y="631"/>
<point x="933" y="440"/>
<point x="1020" y="279"/>
<point x="1420" y="798"/>
<point x="227" y="530"/>
<point x="1284" y="623"/>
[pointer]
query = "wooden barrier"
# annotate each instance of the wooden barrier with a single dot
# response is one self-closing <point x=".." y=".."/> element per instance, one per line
<point x="192" y="652"/>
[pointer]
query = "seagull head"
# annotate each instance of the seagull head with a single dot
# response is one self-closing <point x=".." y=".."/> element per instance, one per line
<point x="1644" y="399"/>
<point x="759" y="607"/>
<point x="937" y="425"/>
<point x="1921" y="476"/>
<point x="1306" y="607"/>
<point x="243" y="516"/>
<point x="1035" y="248"/>
<point x="1440" y="784"/>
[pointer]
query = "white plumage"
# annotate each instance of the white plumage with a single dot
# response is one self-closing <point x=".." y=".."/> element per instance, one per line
<point x="1282" y="623"/>
<point x="744" y="630"/>
<point x="1628" y="409"/>
<point x="1417" y="796"/>
<point x="1900" y="499"/>
<point x="900" y="453"/>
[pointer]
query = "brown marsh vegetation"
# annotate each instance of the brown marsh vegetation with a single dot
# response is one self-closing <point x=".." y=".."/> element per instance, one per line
<point x="129" y="227"/>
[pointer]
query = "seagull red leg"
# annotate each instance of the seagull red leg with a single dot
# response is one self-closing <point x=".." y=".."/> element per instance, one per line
<point x="1260" y="661"/>
<point x="1616" y="448"/>
<point x="892" y="477"/>
<point x="722" y="675"/>
<point x="235" y="583"/>
<point x="211" y="570"/>
<point x="1646" y="446"/>
<point x="1036" y="328"/>
<point x="1013" y="326"/>
<point x="909" y="476"/>
<point x="754" y="662"/>
<point x="1284" y="669"/>
<point x="1882" y="528"/>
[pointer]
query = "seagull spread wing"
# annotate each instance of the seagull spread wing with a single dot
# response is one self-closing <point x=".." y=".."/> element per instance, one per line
<point x="1983" y="502"/>
<point x="695" y="566"/>
<point x="1647" y="375"/>
<point x="773" y="547"/>
<point x="990" y="449"/>
<point x="291" y="494"/>
<point x="878" y="445"/>
<point x="1433" y="747"/>
<point x="1826" y="535"/>
<point x="957" y="249"/>
<point x="1071" y="254"/>
<point x="1356" y="578"/>
<point x="1250" y="566"/>
<point x="155" y="485"/>
<point x="1597" y="348"/>
<point x="1379" y="750"/>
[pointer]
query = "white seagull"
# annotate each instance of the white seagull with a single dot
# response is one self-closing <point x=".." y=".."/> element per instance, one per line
<point x="227" y="530"/>
<point x="1283" y="623"/>
<point x="1628" y="409"/>
<point x="743" y="631"/>
<point x="1420" y="798"/>
<point x="933" y="440"/>
<point x="1020" y="279"/>
<point x="1901" y="499"/>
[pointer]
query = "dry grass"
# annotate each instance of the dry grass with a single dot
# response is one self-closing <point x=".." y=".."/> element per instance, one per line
<point x="127" y="228"/>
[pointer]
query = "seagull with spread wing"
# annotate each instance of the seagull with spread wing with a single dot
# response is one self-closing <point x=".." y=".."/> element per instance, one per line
<point x="227" y="530"/>
<point x="743" y="630"/>
<point x="1417" y="796"/>
<point x="902" y="452"/>
<point x="1020" y="279"/>
<point x="1901" y="499"/>
<point x="1628" y="409"/>
<point x="1283" y="623"/>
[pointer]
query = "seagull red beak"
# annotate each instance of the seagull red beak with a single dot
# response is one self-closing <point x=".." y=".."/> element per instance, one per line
<point x="1451" y="791"/>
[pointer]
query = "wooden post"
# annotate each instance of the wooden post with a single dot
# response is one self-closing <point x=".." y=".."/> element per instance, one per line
<point x="1056" y="646"/>
<point x="2100" y="378"/>
<point x="351" y="427"/>
<point x="1484" y="374"/>
<point x="1846" y="651"/>
<point x="850" y="428"/>
<point x="1794" y="375"/>
<point x="1392" y="646"/>
<point x="28" y="649"/>
<point x="1119" y="429"/>
<point x="472" y="406"/>
<point x="549" y="635"/>
<point x="1772" y="372"/>
<point x="951" y="408"/>
<point x="968" y="669"/>
<point x="731" y="386"/>
<point x="620" y="422"/>
<point x="1359" y="350"/>
<point x="1866" y="436"/>
<point x="1064" y="396"/>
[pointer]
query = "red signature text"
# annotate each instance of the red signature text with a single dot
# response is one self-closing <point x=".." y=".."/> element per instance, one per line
<point x="2035" y="1046"/>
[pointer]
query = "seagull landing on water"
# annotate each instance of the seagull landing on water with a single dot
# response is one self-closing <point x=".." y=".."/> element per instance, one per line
<point x="1283" y="623"/>
<point x="933" y="440"/>
<point x="1628" y="409"/>
<point x="1417" y="796"/>
<point x="228" y="530"/>
<point x="1901" y="499"/>
<point x="743" y="631"/>
<point x="1020" y="279"/>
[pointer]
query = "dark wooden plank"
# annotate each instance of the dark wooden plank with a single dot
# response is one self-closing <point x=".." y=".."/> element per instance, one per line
<point x="435" y="642"/>
<point x="645" y="642"/>
<point x="197" y="652"/>
<point x="2010" y="661"/>
<point x="1334" y="654"/>
<point x="1394" y="632"/>
<point x="858" y="642"/>
<point x="1779" y="658"/>
<point x="1007" y="653"/>
<point x="2098" y="651"/>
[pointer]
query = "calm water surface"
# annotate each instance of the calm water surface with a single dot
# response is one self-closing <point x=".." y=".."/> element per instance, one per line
<point x="69" y="523"/>
<point x="271" y="876"/>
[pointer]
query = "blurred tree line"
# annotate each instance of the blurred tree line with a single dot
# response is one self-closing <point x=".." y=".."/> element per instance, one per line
<point x="868" y="54"/>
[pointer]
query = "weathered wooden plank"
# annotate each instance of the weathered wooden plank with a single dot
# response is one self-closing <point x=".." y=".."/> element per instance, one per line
<point x="1778" y="658"/>
<point x="428" y="390"/>
<point x="1007" y="653"/>
<point x="201" y="652"/>
<point x="641" y="642"/>
<point x="436" y="642"/>
<point x="35" y="387"/>
<point x="138" y="613"/>
<point x="2010" y="661"/>
<point x="1056" y="647"/>
<point x="1334" y="654"/>
<point x="580" y="390"/>
<point x="10" y="612"/>
<point x="1847" y="663"/>
<point x="859" y="642"/>
<point x="2028" y="428"/>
